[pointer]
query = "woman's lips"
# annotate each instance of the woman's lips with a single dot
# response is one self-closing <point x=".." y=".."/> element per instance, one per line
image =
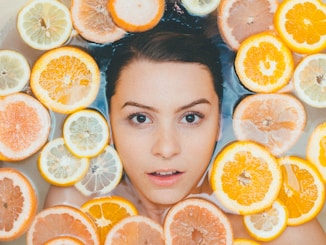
<point x="165" y="178"/>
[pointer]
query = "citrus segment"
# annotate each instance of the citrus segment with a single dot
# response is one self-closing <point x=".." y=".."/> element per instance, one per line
<point x="104" y="174"/>
<point x="309" y="80"/>
<point x="245" y="177"/>
<point x="243" y="241"/>
<point x="239" y="19"/>
<point x="64" y="240"/>
<point x="24" y="126"/>
<point x="197" y="221"/>
<point x="303" y="190"/>
<point x="18" y="204"/>
<point x="44" y="24"/>
<point x="264" y="63"/>
<point x="93" y="21"/>
<point x="58" y="166"/>
<point x="273" y="120"/>
<point x="64" y="221"/>
<point x="302" y="25"/>
<point x="65" y="79"/>
<point x="135" y="230"/>
<point x="200" y="7"/>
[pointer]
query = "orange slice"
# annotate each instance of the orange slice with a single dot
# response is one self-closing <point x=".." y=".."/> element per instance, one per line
<point x="301" y="24"/>
<point x="135" y="230"/>
<point x="62" y="220"/>
<point x="136" y="15"/>
<point x="303" y="190"/>
<point x="274" y="120"/>
<point x="93" y="21"/>
<point x="65" y="79"/>
<point x="18" y="204"/>
<point x="243" y="241"/>
<point x="245" y="177"/>
<point x="264" y="63"/>
<point x="200" y="7"/>
<point x="239" y="19"/>
<point x="108" y="211"/>
<point x="64" y="240"/>
<point x="24" y="126"/>
<point x="197" y="221"/>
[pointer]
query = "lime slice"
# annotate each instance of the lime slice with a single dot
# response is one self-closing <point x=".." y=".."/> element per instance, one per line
<point x="200" y="7"/>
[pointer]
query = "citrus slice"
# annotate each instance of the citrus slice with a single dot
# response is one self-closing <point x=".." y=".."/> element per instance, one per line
<point x="93" y="21"/>
<point x="14" y="70"/>
<point x="268" y="224"/>
<point x="264" y="63"/>
<point x="18" y="204"/>
<point x="243" y="241"/>
<point x="303" y="190"/>
<point x="301" y="24"/>
<point x="108" y="211"/>
<point x="65" y="79"/>
<point x="64" y="240"/>
<point x="245" y="177"/>
<point x="64" y="221"/>
<point x="135" y="230"/>
<point x="274" y="120"/>
<point x="316" y="149"/>
<point x="59" y="166"/>
<point x="239" y="19"/>
<point x="136" y="15"/>
<point x="24" y="126"/>
<point x="309" y="80"/>
<point x="104" y="174"/>
<point x="200" y="7"/>
<point x="44" y="24"/>
<point x="86" y="133"/>
<point x="197" y="221"/>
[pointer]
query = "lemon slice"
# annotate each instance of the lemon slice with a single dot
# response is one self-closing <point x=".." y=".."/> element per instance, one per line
<point x="200" y="7"/>
<point x="44" y="24"/>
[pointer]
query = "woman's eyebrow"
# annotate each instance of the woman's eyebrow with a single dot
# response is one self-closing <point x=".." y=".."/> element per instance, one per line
<point x="135" y="104"/>
<point x="196" y="102"/>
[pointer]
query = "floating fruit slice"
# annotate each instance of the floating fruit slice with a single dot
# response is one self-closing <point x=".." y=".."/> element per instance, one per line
<point x="135" y="230"/>
<point x="243" y="241"/>
<point x="24" y="126"/>
<point x="18" y="204"/>
<point x="136" y="15"/>
<point x="245" y="177"/>
<point x="200" y="7"/>
<point x="274" y="120"/>
<point x="197" y="221"/>
<point x="44" y="24"/>
<point x="62" y="220"/>
<point x="264" y="63"/>
<point x="64" y="240"/>
<point x="93" y="21"/>
<point x="108" y="211"/>
<point x="309" y="80"/>
<point x="239" y="19"/>
<point x="303" y="190"/>
<point x="301" y="24"/>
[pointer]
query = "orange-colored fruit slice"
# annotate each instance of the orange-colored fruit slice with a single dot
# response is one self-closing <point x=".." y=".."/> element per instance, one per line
<point x="239" y="19"/>
<point x="197" y="221"/>
<point x="301" y="24"/>
<point x="264" y="63"/>
<point x="243" y="241"/>
<point x="245" y="177"/>
<point x="136" y="15"/>
<point x="64" y="240"/>
<point x="93" y="21"/>
<point x="18" y="204"/>
<point x="303" y="190"/>
<point x="24" y="126"/>
<point x="108" y="211"/>
<point x="274" y="120"/>
<point x="65" y="79"/>
<point x="62" y="220"/>
<point x="135" y="230"/>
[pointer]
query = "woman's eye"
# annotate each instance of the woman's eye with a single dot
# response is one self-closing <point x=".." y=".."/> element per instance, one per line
<point x="192" y="118"/>
<point x="139" y="118"/>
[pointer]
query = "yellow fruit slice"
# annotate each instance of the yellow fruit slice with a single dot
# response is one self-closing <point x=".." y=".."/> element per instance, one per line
<point x="268" y="224"/>
<point x="245" y="177"/>
<point x="264" y="63"/>
<point x="59" y="166"/>
<point x="108" y="211"/>
<point x="44" y="24"/>
<point x="200" y="7"/>
<point x="65" y="79"/>
<point x="243" y="241"/>
<point x="303" y="190"/>
<point x="309" y="80"/>
<point x="104" y="174"/>
<point x="301" y="24"/>
<point x="64" y="240"/>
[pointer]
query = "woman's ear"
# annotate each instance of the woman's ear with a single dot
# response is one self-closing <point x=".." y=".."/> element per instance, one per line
<point x="219" y="131"/>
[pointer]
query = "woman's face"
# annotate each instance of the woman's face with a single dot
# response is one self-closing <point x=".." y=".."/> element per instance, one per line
<point x="165" y="122"/>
